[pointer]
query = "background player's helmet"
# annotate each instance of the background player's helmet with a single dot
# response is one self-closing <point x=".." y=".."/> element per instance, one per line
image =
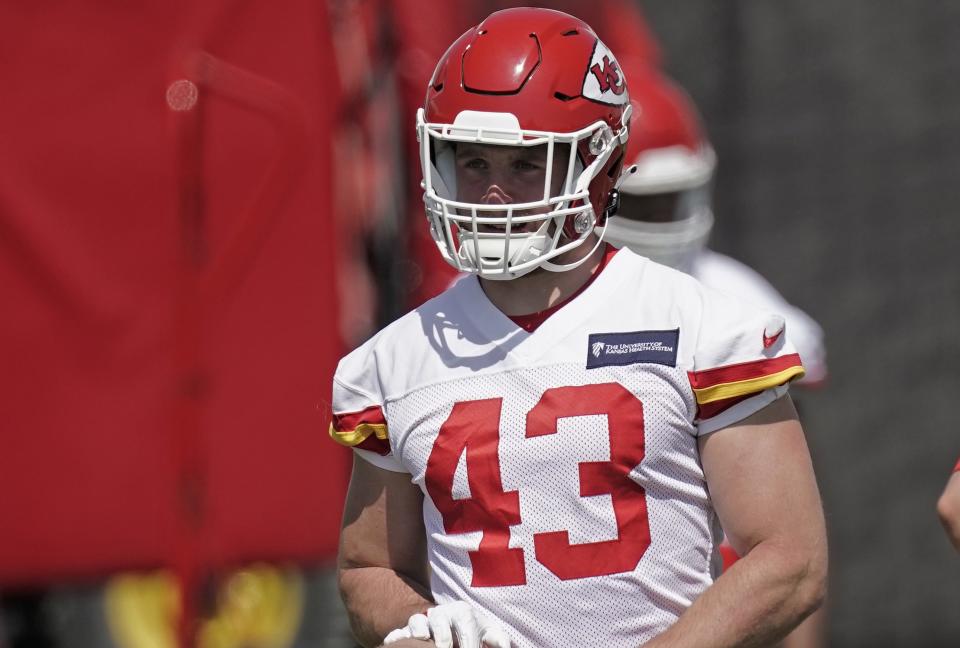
<point x="665" y="210"/>
<point x="524" y="77"/>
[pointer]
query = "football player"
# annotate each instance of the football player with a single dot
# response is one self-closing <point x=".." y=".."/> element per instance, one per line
<point x="545" y="451"/>
<point x="948" y="507"/>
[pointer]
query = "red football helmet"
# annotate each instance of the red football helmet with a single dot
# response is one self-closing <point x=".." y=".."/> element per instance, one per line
<point x="665" y="210"/>
<point x="524" y="77"/>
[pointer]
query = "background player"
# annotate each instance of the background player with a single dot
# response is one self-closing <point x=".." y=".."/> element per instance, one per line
<point x="666" y="214"/>
<point x="500" y="465"/>
<point x="666" y="210"/>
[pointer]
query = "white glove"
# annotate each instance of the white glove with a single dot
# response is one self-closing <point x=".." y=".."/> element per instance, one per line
<point x="473" y="628"/>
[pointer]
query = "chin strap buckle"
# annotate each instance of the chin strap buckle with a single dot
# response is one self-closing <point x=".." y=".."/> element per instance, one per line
<point x="613" y="201"/>
<point x="613" y="206"/>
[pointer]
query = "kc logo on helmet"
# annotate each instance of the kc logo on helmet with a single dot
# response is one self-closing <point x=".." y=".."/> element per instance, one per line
<point x="604" y="80"/>
<point x="608" y="76"/>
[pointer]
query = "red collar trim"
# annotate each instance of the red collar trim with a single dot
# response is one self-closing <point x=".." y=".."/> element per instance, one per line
<point x="532" y="321"/>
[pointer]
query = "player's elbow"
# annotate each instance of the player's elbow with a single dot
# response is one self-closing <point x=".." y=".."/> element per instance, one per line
<point x="811" y="579"/>
<point x="350" y="582"/>
<point x="814" y="592"/>
<point x="802" y="566"/>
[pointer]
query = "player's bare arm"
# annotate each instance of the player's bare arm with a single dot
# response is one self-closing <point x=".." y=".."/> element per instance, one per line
<point x="382" y="562"/>
<point x="948" y="508"/>
<point x="763" y="488"/>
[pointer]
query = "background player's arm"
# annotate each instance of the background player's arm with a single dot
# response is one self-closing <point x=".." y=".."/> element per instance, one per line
<point x="763" y="488"/>
<point x="382" y="566"/>
<point x="948" y="507"/>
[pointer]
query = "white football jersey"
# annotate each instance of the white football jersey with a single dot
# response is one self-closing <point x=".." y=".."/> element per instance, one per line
<point x="728" y="275"/>
<point x="563" y="488"/>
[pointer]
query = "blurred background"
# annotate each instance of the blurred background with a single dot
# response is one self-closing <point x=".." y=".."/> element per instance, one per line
<point x="204" y="204"/>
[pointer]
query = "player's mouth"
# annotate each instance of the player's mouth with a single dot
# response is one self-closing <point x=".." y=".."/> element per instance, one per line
<point x="515" y="225"/>
<point x="488" y="228"/>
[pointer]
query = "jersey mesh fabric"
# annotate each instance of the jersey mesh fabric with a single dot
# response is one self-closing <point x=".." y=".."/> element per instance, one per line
<point x="458" y="348"/>
<point x="615" y="610"/>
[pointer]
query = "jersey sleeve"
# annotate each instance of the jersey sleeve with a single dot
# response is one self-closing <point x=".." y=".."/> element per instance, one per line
<point x="807" y="336"/>
<point x="726" y="274"/>
<point x="358" y="419"/>
<point x="743" y="361"/>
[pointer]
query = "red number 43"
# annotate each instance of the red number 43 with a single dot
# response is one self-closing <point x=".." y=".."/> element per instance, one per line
<point x="474" y="427"/>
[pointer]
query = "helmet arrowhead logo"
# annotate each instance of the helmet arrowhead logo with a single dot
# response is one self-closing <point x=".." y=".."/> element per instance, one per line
<point x="604" y="81"/>
<point x="608" y="76"/>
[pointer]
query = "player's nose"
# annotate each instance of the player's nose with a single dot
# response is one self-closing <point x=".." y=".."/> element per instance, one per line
<point x="495" y="195"/>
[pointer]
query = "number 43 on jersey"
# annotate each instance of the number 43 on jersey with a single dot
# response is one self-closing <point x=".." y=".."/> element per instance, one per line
<point x="474" y="427"/>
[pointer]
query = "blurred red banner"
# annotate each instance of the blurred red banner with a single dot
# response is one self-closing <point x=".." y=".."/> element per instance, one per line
<point x="169" y="322"/>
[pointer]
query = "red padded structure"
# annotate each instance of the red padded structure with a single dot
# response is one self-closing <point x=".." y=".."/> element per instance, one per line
<point x="168" y="316"/>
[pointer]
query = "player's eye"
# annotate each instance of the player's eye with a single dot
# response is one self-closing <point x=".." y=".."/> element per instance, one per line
<point x="474" y="163"/>
<point x="526" y="165"/>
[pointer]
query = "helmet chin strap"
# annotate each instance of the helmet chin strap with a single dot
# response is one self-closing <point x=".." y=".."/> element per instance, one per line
<point x="563" y="267"/>
<point x="610" y="210"/>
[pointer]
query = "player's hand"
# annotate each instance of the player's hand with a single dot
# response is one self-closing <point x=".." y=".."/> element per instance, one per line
<point x="471" y="627"/>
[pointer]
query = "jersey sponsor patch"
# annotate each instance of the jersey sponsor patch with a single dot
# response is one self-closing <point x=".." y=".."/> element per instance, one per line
<point x="618" y="349"/>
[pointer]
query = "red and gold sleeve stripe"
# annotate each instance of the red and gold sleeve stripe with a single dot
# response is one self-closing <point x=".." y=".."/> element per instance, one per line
<point x="366" y="429"/>
<point x="721" y="388"/>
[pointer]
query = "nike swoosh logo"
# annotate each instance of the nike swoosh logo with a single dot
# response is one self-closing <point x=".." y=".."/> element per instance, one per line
<point x="769" y="341"/>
